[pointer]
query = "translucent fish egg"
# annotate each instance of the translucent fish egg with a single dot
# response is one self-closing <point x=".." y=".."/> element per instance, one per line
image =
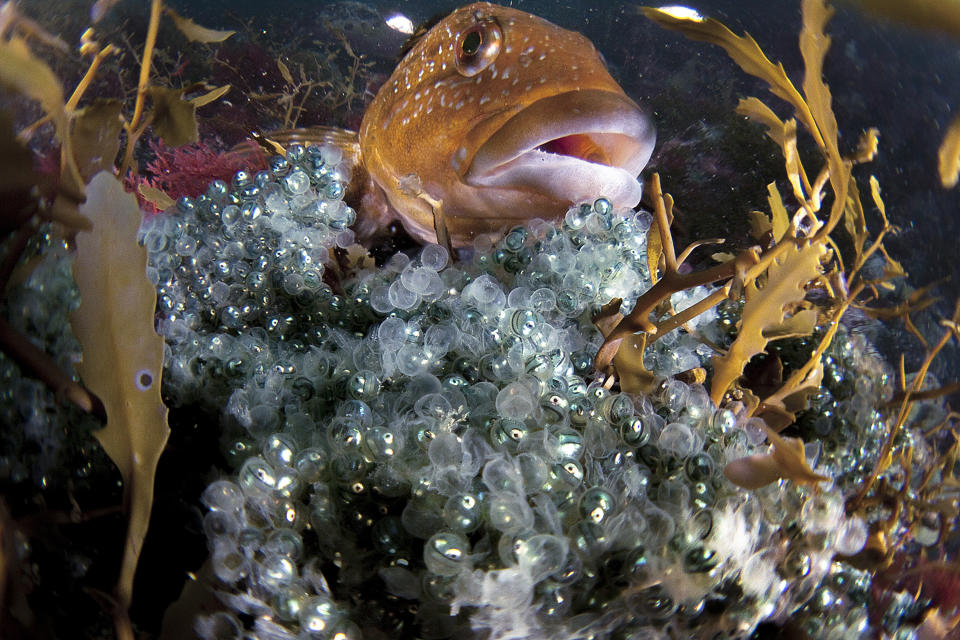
<point x="446" y="553"/>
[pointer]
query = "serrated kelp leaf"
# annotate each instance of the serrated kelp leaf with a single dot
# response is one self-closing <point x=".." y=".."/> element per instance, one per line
<point x="878" y="199"/>
<point x="949" y="155"/>
<point x="800" y="324"/>
<point x="96" y="137"/>
<point x="867" y="146"/>
<point x="174" y="119"/>
<point x="195" y="32"/>
<point x="892" y="268"/>
<point x="122" y="354"/>
<point x="743" y="50"/>
<point x="791" y="160"/>
<point x="765" y="309"/>
<point x="814" y="43"/>
<point x="779" y="409"/>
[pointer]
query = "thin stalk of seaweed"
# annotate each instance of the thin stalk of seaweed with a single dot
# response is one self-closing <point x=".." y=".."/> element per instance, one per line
<point x="906" y="405"/>
<point x="133" y="126"/>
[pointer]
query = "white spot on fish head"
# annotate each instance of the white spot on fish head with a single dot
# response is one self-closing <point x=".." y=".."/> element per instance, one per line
<point x="459" y="158"/>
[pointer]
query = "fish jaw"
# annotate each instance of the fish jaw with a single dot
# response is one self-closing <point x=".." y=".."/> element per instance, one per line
<point x="567" y="147"/>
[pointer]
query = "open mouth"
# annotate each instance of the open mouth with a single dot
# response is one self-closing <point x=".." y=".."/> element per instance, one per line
<point x="572" y="146"/>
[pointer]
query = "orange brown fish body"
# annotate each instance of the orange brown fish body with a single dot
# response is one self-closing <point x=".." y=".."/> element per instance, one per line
<point x="501" y="116"/>
<point x="494" y="116"/>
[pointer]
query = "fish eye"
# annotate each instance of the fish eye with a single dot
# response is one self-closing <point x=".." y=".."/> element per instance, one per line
<point x="478" y="46"/>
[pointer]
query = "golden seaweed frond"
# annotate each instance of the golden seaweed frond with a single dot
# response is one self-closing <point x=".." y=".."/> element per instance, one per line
<point x="774" y="280"/>
<point x="797" y="251"/>
<point x="767" y="308"/>
<point x="949" y="155"/>
<point x="670" y="282"/>
<point x="122" y="354"/>
<point x="195" y="32"/>
<point x="929" y="498"/>
<point x="799" y="248"/>
<point x="118" y="362"/>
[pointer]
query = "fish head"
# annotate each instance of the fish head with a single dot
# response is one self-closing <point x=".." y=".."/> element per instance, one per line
<point x="499" y="116"/>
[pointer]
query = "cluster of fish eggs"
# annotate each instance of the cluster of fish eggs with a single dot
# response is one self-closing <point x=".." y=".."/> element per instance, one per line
<point x="424" y="448"/>
<point x="845" y="417"/>
<point x="43" y="437"/>
<point x="246" y="261"/>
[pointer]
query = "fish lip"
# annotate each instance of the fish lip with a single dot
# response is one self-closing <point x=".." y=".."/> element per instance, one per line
<point x="612" y="120"/>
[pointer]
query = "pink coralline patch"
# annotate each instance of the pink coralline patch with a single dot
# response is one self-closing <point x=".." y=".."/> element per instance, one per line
<point x="188" y="170"/>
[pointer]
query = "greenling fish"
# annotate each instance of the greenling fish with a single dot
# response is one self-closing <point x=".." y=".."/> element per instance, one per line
<point x="494" y="116"/>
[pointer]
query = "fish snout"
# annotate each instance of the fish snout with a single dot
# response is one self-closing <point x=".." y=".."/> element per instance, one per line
<point x="570" y="147"/>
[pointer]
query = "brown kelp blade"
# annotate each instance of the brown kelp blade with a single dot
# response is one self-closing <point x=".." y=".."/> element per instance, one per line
<point x="122" y="354"/>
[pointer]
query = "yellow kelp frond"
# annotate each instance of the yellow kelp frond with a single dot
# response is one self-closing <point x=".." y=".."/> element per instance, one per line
<point x="767" y="308"/>
<point x="195" y="32"/>
<point x="96" y="136"/>
<point x="671" y="282"/>
<point x="21" y="71"/>
<point x="122" y="354"/>
<point x="949" y="155"/>
<point x="174" y="119"/>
